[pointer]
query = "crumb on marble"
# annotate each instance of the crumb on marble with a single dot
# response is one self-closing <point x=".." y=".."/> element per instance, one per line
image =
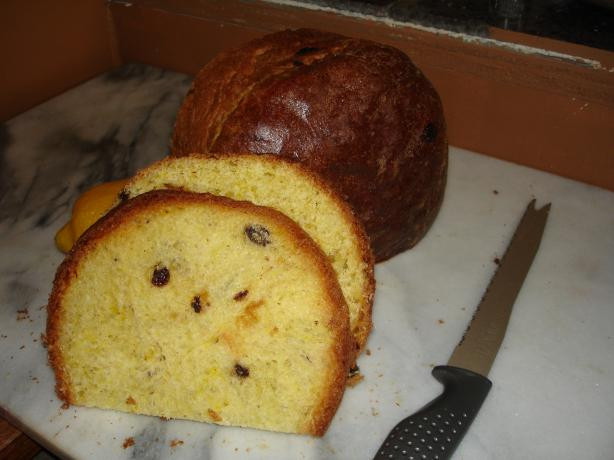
<point x="495" y="192"/>
<point x="23" y="314"/>
<point x="368" y="352"/>
<point x="440" y="321"/>
<point x="354" y="376"/>
<point x="176" y="442"/>
<point x="128" y="442"/>
<point x="497" y="261"/>
<point x="354" y="379"/>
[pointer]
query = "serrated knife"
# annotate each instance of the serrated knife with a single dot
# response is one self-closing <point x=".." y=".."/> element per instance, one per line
<point x="434" y="432"/>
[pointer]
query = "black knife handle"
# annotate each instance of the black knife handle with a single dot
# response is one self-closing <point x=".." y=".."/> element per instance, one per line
<point x="437" y="429"/>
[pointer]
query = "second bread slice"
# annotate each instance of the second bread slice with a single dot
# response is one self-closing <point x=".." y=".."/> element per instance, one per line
<point x="267" y="180"/>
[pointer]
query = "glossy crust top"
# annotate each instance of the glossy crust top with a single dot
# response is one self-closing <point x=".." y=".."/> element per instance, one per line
<point x="357" y="112"/>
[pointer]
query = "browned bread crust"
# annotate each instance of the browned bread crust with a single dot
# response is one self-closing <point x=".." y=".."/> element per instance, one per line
<point x="357" y="112"/>
<point x="341" y="353"/>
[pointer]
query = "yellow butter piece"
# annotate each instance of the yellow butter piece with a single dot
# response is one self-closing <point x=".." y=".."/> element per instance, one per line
<point x="64" y="238"/>
<point x="90" y="207"/>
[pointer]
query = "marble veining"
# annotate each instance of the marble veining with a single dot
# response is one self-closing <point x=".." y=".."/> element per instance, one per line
<point x="104" y="130"/>
<point x="553" y="376"/>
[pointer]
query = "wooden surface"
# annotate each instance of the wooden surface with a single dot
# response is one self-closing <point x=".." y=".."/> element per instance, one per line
<point x="14" y="445"/>
<point x="548" y="109"/>
<point x="50" y="46"/>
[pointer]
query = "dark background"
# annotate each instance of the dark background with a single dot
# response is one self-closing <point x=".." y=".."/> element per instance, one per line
<point x="584" y="22"/>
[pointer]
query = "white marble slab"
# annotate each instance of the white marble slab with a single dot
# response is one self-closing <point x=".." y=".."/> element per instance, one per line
<point x="552" y="395"/>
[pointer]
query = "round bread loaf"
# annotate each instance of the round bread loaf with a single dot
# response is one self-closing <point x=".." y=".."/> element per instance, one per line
<point x="187" y="305"/>
<point x="267" y="180"/>
<point x="357" y="112"/>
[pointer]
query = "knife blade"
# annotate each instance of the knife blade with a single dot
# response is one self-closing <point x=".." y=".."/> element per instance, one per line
<point x="434" y="432"/>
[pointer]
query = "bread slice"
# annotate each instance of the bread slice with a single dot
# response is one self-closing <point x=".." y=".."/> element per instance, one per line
<point x="192" y="306"/>
<point x="268" y="180"/>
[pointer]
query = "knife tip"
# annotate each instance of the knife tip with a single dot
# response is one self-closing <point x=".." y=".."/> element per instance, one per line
<point x="545" y="208"/>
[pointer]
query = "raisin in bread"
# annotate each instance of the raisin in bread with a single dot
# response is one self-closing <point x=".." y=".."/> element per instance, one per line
<point x="192" y="306"/>
<point x="357" y="112"/>
<point x="288" y="187"/>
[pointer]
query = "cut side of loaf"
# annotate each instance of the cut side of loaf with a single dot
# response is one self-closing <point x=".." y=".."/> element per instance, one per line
<point x="268" y="180"/>
<point x="193" y="306"/>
